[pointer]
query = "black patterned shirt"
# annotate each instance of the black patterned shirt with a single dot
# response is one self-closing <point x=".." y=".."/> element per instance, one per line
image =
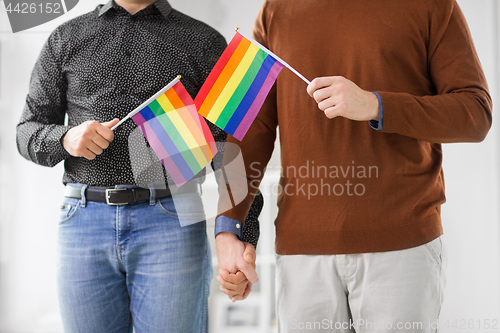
<point x="101" y="66"/>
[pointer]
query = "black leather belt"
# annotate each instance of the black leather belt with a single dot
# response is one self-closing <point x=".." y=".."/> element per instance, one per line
<point x="124" y="196"/>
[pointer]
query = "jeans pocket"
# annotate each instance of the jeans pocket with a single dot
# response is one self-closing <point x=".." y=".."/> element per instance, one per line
<point x="166" y="207"/>
<point x="187" y="208"/>
<point x="435" y="248"/>
<point x="69" y="209"/>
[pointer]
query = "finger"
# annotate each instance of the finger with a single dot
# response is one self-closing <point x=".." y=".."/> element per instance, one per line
<point x="239" y="288"/>
<point x="316" y="84"/>
<point x="319" y="83"/>
<point x="232" y="281"/>
<point x="323" y="94"/>
<point x="249" y="272"/>
<point x="225" y="291"/>
<point x="333" y="112"/>
<point x="100" y="141"/>
<point x="224" y="273"/>
<point x="247" y="292"/>
<point x="230" y="293"/>
<point x="91" y="146"/>
<point x="237" y="278"/>
<point x="110" y="124"/>
<point x="88" y="154"/>
<point x="249" y="254"/>
<point x="105" y="131"/>
<point x="327" y="103"/>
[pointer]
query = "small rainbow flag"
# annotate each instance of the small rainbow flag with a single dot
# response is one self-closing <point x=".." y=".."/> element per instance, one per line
<point x="179" y="136"/>
<point x="235" y="90"/>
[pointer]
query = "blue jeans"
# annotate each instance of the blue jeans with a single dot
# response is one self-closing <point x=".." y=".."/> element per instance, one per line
<point x="129" y="266"/>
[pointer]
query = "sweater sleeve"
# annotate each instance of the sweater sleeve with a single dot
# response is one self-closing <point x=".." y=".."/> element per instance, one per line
<point x="251" y="228"/>
<point x="242" y="180"/>
<point x="460" y="110"/>
<point x="41" y="126"/>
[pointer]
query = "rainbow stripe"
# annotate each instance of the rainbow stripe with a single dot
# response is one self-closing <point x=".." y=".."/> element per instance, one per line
<point x="179" y="136"/>
<point x="235" y="90"/>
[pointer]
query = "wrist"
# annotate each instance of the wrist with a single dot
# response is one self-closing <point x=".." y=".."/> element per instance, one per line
<point x="374" y="107"/>
<point x="226" y="235"/>
<point x="227" y="224"/>
<point x="229" y="248"/>
<point x="64" y="142"/>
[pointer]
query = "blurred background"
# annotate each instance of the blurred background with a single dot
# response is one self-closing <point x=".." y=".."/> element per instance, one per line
<point x="28" y="218"/>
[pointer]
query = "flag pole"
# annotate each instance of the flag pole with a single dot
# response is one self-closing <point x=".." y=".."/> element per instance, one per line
<point x="152" y="98"/>
<point x="274" y="56"/>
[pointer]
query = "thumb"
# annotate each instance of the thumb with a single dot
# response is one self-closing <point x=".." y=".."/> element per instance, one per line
<point x="110" y="124"/>
<point x="250" y="273"/>
<point x="249" y="254"/>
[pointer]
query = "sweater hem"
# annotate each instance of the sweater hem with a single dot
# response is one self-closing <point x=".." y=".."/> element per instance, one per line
<point x="319" y="242"/>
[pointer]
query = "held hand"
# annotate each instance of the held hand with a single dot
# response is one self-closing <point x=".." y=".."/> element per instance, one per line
<point x="337" y="96"/>
<point x="239" y="259"/>
<point x="236" y="285"/>
<point x="89" y="139"/>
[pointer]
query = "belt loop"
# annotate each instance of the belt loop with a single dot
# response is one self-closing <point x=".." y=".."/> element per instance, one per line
<point x="152" y="194"/>
<point x="83" y="198"/>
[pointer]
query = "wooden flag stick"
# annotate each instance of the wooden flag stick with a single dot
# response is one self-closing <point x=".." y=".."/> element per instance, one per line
<point x="143" y="105"/>
<point x="274" y="56"/>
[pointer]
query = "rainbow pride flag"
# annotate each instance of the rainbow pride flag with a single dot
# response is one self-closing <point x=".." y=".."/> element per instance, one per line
<point x="179" y="136"/>
<point x="235" y="90"/>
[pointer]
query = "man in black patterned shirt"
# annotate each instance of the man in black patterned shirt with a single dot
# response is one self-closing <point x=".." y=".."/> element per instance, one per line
<point x="124" y="261"/>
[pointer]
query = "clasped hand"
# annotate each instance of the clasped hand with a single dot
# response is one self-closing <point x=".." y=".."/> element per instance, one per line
<point x="236" y="266"/>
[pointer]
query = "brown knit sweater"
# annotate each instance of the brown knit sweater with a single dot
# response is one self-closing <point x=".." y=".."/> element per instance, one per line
<point x="346" y="187"/>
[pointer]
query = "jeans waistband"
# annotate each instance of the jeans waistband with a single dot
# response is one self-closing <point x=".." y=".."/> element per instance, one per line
<point x="125" y="194"/>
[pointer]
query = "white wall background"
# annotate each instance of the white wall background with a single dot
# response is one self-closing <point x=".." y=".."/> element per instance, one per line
<point x="30" y="194"/>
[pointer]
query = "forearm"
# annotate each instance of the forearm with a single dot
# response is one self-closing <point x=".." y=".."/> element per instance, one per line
<point x="41" y="143"/>
<point x="457" y="107"/>
<point x="459" y="116"/>
<point x="41" y="126"/>
<point x="242" y="179"/>
<point x="249" y="230"/>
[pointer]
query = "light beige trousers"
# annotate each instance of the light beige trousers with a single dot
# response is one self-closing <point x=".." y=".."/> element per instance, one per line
<point x="397" y="291"/>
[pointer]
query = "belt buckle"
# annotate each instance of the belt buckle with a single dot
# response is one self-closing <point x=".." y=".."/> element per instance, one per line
<point x="108" y="196"/>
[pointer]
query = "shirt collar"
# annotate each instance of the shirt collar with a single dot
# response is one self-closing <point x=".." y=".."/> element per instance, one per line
<point x="162" y="5"/>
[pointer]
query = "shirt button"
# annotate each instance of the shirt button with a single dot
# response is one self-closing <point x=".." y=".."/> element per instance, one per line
<point x="128" y="53"/>
<point x="237" y="225"/>
<point x="123" y="92"/>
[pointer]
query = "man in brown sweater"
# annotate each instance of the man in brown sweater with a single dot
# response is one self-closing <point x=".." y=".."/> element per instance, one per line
<point x="358" y="229"/>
